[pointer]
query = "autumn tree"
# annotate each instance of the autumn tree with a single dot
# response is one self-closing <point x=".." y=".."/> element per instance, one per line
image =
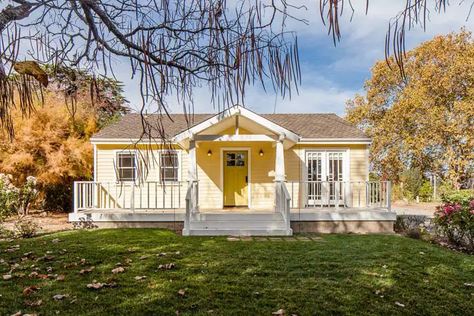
<point x="53" y="143"/>
<point x="172" y="47"/>
<point x="424" y="119"/>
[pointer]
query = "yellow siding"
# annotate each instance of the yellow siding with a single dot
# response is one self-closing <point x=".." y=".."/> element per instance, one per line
<point x="210" y="170"/>
<point x="149" y="193"/>
<point x="260" y="175"/>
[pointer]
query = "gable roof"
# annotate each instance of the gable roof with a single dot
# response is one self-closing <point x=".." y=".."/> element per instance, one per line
<point x="325" y="126"/>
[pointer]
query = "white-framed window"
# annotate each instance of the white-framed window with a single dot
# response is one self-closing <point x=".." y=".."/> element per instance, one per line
<point x="169" y="166"/>
<point x="126" y="166"/>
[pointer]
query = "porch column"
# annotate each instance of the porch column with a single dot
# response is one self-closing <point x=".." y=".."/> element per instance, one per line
<point x="280" y="159"/>
<point x="192" y="170"/>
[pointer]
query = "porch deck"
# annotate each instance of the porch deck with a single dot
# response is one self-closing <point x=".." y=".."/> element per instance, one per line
<point x="296" y="210"/>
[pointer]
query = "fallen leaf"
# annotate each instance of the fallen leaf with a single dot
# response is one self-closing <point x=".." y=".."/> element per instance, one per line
<point x="95" y="285"/>
<point x="7" y="277"/>
<point x="140" y="277"/>
<point x="34" y="303"/>
<point x="167" y="266"/>
<point x="161" y="254"/>
<point x="279" y="312"/>
<point x="118" y="270"/>
<point x="399" y="304"/>
<point x="83" y="261"/>
<point x="143" y="257"/>
<point x="60" y="277"/>
<point x="88" y="270"/>
<point x="30" y="289"/>
<point x="55" y="241"/>
<point x="181" y="292"/>
<point x="17" y="314"/>
<point x="59" y="297"/>
<point x="33" y="274"/>
<point x="177" y="253"/>
<point x="469" y="284"/>
<point x="128" y="261"/>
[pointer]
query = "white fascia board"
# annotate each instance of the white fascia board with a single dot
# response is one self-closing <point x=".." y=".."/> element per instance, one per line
<point x="123" y="141"/>
<point x="355" y="141"/>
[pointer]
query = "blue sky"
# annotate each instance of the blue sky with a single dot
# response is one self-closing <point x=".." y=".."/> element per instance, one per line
<point x="331" y="75"/>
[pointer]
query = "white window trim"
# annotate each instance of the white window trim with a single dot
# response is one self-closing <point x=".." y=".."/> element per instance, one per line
<point x="116" y="167"/>
<point x="178" y="152"/>
<point x="346" y="175"/>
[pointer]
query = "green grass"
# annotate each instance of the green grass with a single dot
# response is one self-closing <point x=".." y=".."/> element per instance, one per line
<point x="340" y="274"/>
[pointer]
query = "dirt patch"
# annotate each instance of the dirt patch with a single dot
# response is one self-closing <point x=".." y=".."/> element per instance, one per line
<point x="413" y="208"/>
<point x="48" y="221"/>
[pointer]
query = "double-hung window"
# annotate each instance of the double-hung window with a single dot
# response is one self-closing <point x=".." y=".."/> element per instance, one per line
<point x="126" y="166"/>
<point x="169" y="166"/>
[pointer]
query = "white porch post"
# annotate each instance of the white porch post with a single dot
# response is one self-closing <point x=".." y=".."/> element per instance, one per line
<point x="280" y="160"/>
<point x="192" y="170"/>
<point x="192" y="174"/>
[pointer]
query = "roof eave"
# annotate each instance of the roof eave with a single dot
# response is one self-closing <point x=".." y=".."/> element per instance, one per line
<point x="354" y="141"/>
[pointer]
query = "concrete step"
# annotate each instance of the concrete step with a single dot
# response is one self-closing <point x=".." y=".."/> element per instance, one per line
<point x="238" y="232"/>
<point x="265" y="225"/>
<point x="270" y="216"/>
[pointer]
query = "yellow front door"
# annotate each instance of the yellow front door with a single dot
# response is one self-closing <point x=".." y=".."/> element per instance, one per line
<point x="235" y="178"/>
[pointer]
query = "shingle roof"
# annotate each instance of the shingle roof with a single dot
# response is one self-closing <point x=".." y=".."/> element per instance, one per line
<point x="309" y="125"/>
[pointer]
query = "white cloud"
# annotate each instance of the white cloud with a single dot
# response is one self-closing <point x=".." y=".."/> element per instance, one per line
<point x="325" y="88"/>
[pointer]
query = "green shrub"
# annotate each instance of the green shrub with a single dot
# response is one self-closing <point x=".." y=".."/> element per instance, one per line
<point x="455" y="218"/>
<point x="426" y="192"/>
<point x="461" y="197"/>
<point x="412" y="180"/>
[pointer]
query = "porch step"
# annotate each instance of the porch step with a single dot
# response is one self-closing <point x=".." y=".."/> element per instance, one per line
<point x="238" y="232"/>
<point x="220" y="216"/>
<point x="237" y="224"/>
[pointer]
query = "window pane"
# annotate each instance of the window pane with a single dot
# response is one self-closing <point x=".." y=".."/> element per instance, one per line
<point x="126" y="174"/>
<point x="169" y="166"/>
<point x="169" y="174"/>
<point x="169" y="159"/>
<point x="126" y="166"/>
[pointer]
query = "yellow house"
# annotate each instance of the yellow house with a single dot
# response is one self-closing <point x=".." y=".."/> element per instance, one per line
<point x="234" y="173"/>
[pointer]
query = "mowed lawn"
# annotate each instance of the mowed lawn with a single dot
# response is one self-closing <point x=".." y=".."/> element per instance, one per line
<point x="332" y="274"/>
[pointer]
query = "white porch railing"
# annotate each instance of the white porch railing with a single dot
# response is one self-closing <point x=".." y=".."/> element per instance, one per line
<point x="282" y="202"/>
<point x="340" y="194"/>
<point x="90" y="195"/>
<point x="192" y="207"/>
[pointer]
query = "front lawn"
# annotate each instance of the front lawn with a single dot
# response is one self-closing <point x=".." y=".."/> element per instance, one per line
<point x="358" y="274"/>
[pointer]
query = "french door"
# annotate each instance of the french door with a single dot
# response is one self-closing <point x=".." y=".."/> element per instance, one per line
<point x="325" y="175"/>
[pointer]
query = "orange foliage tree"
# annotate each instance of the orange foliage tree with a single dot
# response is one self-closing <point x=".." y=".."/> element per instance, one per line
<point x="52" y="144"/>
